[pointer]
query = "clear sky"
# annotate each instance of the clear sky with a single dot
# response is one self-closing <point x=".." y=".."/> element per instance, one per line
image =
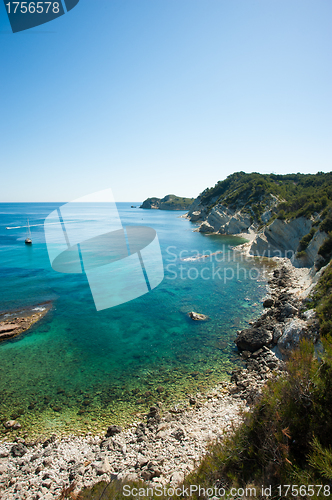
<point x="151" y="97"/>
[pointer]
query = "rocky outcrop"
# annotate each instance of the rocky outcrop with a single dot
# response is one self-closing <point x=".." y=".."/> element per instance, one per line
<point x="197" y="316"/>
<point x="252" y="339"/>
<point x="294" y="330"/>
<point x="311" y="257"/>
<point x="280" y="238"/>
<point x="225" y="220"/>
<point x="169" y="202"/>
<point x="222" y="220"/>
<point x="10" y="328"/>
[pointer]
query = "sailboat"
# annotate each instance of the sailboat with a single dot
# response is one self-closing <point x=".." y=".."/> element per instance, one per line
<point x="28" y="240"/>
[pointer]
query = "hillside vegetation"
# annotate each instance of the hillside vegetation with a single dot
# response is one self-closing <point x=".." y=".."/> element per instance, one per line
<point x="298" y="194"/>
<point x="169" y="202"/>
<point x="266" y="197"/>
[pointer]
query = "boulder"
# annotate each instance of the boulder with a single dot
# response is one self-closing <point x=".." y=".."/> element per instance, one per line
<point x="179" y="434"/>
<point x="277" y="333"/>
<point x="310" y="314"/>
<point x="295" y="329"/>
<point x="153" y="417"/>
<point x="12" y="424"/>
<point x="252" y="339"/>
<point x="268" y="302"/>
<point x="288" y="311"/>
<point x="177" y="478"/>
<point x="205" y="227"/>
<point x="197" y="316"/>
<point x="102" y="467"/>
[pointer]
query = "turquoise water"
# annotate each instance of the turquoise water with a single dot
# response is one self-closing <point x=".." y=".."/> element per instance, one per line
<point x="79" y="369"/>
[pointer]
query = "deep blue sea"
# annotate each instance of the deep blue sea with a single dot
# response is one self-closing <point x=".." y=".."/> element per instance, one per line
<point x="79" y="369"/>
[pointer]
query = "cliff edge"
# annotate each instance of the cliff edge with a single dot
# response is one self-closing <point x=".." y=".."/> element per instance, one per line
<point x="281" y="215"/>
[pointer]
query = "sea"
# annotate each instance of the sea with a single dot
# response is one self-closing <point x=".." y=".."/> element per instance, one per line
<point x="79" y="370"/>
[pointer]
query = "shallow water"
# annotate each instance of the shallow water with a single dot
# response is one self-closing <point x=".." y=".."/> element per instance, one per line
<point x="79" y="369"/>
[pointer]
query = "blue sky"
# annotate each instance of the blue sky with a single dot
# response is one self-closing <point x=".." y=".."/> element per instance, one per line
<point x="151" y="97"/>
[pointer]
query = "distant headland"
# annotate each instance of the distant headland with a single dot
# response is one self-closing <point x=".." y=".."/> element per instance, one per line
<point x="169" y="202"/>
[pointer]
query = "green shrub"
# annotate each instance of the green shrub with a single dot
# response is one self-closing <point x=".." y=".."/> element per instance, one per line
<point x="304" y="242"/>
<point x="303" y="194"/>
<point x="325" y="250"/>
<point x="326" y="224"/>
<point x="301" y="254"/>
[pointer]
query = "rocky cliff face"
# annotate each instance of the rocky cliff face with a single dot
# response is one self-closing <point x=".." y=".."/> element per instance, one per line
<point x="282" y="238"/>
<point x="225" y="220"/>
<point x="279" y="238"/>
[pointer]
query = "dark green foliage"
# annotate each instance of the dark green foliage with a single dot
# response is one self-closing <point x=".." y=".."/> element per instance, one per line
<point x="326" y="224"/>
<point x="321" y="458"/>
<point x="304" y="242"/>
<point x="281" y="214"/>
<point x="169" y="202"/>
<point x="301" y="254"/>
<point x="114" y="491"/>
<point x="300" y="194"/>
<point x="322" y="300"/>
<point x="325" y="250"/>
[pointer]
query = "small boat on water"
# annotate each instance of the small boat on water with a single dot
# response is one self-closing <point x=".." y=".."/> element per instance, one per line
<point x="28" y="240"/>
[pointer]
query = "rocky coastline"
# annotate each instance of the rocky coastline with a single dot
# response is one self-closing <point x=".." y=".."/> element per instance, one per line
<point x="271" y="237"/>
<point x="166" y="445"/>
<point x="15" y="323"/>
<point x="270" y="339"/>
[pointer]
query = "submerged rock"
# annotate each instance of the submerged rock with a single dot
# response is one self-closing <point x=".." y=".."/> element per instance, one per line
<point x="12" y="424"/>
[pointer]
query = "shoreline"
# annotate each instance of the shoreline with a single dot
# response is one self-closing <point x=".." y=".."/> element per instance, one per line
<point x="15" y="322"/>
<point x="164" y="446"/>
